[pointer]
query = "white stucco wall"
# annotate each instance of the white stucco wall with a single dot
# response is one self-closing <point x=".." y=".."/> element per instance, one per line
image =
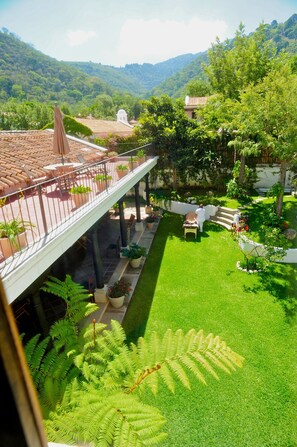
<point x="269" y="175"/>
<point x="257" y="249"/>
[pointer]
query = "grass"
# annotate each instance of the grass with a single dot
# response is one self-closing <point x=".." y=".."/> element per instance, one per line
<point x="194" y="283"/>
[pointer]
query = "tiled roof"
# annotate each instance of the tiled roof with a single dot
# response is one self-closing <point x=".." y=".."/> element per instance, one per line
<point x="195" y="101"/>
<point x="104" y="128"/>
<point x="34" y="149"/>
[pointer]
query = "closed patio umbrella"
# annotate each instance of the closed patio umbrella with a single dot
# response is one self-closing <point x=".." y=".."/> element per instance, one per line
<point x="60" y="145"/>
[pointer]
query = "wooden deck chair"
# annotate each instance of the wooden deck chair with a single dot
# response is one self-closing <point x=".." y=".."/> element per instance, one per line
<point x="33" y="181"/>
<point x="87" y="169"/>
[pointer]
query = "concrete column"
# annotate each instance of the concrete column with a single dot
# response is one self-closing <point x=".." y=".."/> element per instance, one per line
<point x="97" y="261"/>
<point x="137" y="202"/>
<point x="138" y="223"/>
<point x="147" y="189"/>
<point x="123" y="228"/>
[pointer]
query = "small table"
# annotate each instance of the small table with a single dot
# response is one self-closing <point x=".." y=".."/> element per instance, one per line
<point x="62" y="168"/>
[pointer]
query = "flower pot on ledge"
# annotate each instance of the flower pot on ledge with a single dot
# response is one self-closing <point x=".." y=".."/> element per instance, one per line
<point x="9" y="247"/>
<point x="117" y="302"/>
<point x="135" y="263"/>
<point x="80" y="199"/>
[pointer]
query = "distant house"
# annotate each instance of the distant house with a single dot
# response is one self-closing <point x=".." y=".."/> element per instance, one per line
<point x="107" y="128"/>
<point x="191" y="104"/>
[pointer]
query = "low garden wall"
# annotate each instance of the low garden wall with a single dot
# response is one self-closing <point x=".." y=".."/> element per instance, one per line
<point x="184" y="208"/>
<point x="210" y="210"/>
<point x="257" y="249"/>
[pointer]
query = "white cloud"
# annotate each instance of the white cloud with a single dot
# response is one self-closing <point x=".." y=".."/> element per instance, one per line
<point x="79" y="37"/>
<point x="155" y="40"/>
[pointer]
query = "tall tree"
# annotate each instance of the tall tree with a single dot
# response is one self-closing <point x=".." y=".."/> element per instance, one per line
<point x="269" y="111"/>
<point x="233" y="65"/>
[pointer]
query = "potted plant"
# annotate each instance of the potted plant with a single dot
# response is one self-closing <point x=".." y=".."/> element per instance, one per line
<point x="117" y="292"/>
<point x="122" y="170"/>
<point x="13" y="235"/>
<point x="112" y="155"/>
<point x="140" y="155"/>
<point x="80" y="194"/>
<point x="102" y="181"/>
<point x="134" y="253"/>
<point x="148" y="209"/>
<point x="133" y="162"/>
<point x="150" y="220"/>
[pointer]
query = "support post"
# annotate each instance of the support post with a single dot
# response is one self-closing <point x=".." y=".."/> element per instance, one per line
<point x="97" y="261"/>
<point x="138" y="223"/>
<point x="147" y="190"/>
<point x="137" y="202"/>
<point x="123" y="228"/>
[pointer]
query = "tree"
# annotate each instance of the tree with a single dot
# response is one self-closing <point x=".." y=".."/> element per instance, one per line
<point x="183" y="144"/>
<point x="73" y="127"/>
<point x="198" y="87"/>
<point x="237" y="64"/>
<point x="90" y="382"/>
<point x="233" y="66"/>
<point x="269" y="111"/>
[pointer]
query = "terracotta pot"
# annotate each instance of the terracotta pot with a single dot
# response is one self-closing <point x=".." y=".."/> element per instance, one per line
<point x="8" y="248"/>
<point x="122" y="174"/>
<point x="149" y="225"/>
<point x="148" y="209"/>
<point x="101" y="185"/>
<point x="80" y="199"/>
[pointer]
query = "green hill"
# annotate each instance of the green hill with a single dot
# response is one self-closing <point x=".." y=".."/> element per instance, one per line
<point x="28" y="74"/>
<point x="136" y="78"/>
<point x="284" y="36"/>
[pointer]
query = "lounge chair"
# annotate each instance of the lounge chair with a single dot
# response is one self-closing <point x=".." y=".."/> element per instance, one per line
<point x="190" y="224"/>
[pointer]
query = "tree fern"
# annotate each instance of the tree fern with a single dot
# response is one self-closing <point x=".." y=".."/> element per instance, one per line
<point x="90" y="381"/>
<point x="103" y="420"/>
<point x="74" y="296"/>
<point x="170" y="358"/>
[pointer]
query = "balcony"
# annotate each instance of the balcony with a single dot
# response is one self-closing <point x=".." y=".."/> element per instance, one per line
<point x="57" y="222"/>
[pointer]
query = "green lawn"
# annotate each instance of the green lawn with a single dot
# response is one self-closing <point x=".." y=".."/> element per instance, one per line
<point x="194" y="283"/>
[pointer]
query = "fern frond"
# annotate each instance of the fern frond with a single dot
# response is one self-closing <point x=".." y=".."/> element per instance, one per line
<point x="35" y="352"/>
<point x="172" y="357"/>
<point x="75" y="296"/>
<point x="101" y="420"/>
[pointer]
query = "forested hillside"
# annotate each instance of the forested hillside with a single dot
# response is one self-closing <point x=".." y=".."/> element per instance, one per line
<point x="28" y="74"/>
<point x="136" y="78"/>
<point x="283" y="35"/>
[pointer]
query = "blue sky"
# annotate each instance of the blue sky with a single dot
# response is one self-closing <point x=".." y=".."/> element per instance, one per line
<point x="115" y="32"/>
